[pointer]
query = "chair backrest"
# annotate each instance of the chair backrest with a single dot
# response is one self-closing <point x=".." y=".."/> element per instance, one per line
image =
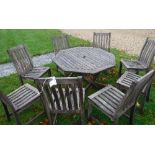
<point x="21" y="59"/>
<point x="148" y="52"/>
<point x="65" y="96"/>
<point x="134" y="91"/>
<point x="60" y="42"/>
<point x="102" y="40"/>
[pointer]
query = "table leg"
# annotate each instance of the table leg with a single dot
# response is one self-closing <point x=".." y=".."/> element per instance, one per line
<point x="91" y="79"/>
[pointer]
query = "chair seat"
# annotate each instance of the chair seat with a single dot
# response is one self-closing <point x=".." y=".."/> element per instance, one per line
<point x="133" y="64"/>
<point x="22" y="96"/>
<point x="36" y="72"/>
<point x="126" y="79"/>
<point x="69" y="109"/>
<point x="107" y="100"/>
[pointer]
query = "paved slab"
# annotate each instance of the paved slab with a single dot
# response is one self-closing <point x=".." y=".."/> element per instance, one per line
<point x="8" y="68"/>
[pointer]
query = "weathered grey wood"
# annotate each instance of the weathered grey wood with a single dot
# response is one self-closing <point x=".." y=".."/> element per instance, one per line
<point x="60" y="42"/>
<point x="134" y="91"/>
<point x="19" y="100"/>
<point x="145" y="58"/>
<point x="86" y="60"/>
<point x="102" y="40"/>
<point x="106" y="101"/>
<point x="67" y="96"/>
<point x="125" y="81"/>
<point x="23" y="64"/>
<point x="114" y="103"/>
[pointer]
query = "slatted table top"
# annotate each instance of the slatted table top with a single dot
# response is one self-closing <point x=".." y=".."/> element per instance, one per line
<point x="87" y="60"/>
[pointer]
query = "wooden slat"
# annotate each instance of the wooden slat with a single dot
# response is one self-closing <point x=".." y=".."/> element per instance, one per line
<point x="106" y="99"/>
<point x="12" y="94"/>
<point x="110" y="97"/>
<point x="50" y="101"/>
<point x="105" y="104"/>
<point x="65" y="94"/>
<point x="23" y="63"/>
<point x="60" y="42"/>
<point x="37" y="72"/>
<point x="75" y="95"/>
<point x="136" y="88"/>
<point x="120" y="96"/>
<point x="104" y="108"/>
<point x="56" y="97"/>
<point x="84" y="60"/>
<point x="62" y="97"/>
<point x="24" y="100"/>
<point x="115" y="103"/>
<point x="23" y="95"/>
<point x="70" y="106"/>
<point x="17" y="96"/>
<point x="126" y="79"/>
<point x="102" y="40"/>
<point x="145" y="59"/>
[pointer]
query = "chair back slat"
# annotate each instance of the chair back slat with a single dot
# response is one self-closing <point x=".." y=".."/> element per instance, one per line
<point x="57" y="97"/>
<point x="62" y="98"/>
<point x="135" y="90"/>
<point x="21" y="59"/>
<point x="68" y="96"/>
<point x="102" y="40"/>
<point x="65" y="96"/>
<point x="75" y="95"/>
<point x="148" y="52"/>
<point x="60" y="42"/>
<point x="48" y="96"/>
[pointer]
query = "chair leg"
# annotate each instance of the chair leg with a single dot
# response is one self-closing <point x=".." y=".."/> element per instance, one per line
<point x="132" y="114"/>
<point x="18" y="122"/>
<point x="120" y="70"/>
<point x="50" y="122"/>
<point x="89" y="110"/>
<point x="6" y="111"/>
<point x="144" y="96"/>
<point x="54" y="118"/>
<point x="21" y="80"/>
<point x="115" y="122"/>
<point x="49" y="115"/>
<point x="82" y="117"/>
<point x="148" y="94"/>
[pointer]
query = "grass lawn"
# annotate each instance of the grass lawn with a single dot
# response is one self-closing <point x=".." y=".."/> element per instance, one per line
<point x="39" y="42"/>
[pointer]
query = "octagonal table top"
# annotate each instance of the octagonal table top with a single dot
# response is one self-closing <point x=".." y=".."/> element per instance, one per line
<point x="86" y="60"/>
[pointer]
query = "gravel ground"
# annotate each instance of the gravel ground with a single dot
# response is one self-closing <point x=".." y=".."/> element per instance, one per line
<point x="127" y="40"/>
<point x="8" y="68"/>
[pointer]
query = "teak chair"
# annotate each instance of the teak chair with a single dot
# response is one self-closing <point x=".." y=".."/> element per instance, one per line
<point x="144" y="61"/>
<point x="60" y="42"/>
<point x="19" y="100"/>
<point x="24" y="65"/>
<point x="102" y="40"/>
<point x="114" y="103"/>
<point x="125" y="81"/>
<point x="67" y="96"/>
